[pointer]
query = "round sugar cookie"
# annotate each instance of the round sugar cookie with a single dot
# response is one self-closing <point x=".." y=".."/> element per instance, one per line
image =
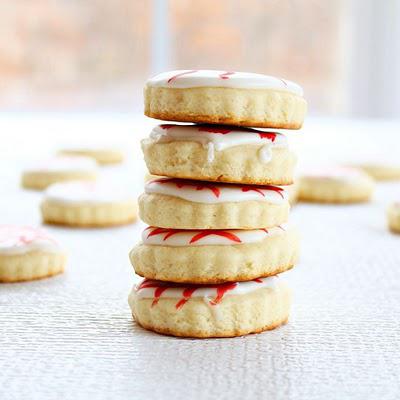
<point x="103" y="156"/>
<point x="225" y="97"/>
<point x="28" y="253"/>
<point x="219" y="153"/>
<point x="59" y="169"/>
<point x="183" y="204"/>
<point x="336" y="185"/>
<point x="214" y="256"/>
<point x="203" y="311"/>
<point x="393" y="216"/>
<point x="381" y="171"/>
<point x="88" y="204"/>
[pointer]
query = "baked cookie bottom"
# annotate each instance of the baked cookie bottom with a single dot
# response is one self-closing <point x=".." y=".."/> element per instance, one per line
<point x="254" y="312"/>
<point x="326" y="191"/>
<point x="264" y="108"/>
<point x="393" y="218"/>
<point x="30" y="266"/>
<point x="102" y="156"/>
<point x="41" y="180"/>
<point x="239" y="164"/>
<point x="210" y="264"/>
<point x="89" y="215"/>
<point x="172" y="212"/>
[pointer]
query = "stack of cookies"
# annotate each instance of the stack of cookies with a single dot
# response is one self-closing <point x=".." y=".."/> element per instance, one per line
<point x="217" y="234"/>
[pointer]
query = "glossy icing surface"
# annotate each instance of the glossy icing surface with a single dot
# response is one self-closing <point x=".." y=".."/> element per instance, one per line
<point x="182" y="79"/>
<point x="23" y="239"/>
<point x="212" y="294"/>
<point x="87" y="192"/>
<point x="218" y="138"/>
<point x="206" y="237"/>
<point x="212" y="193"/>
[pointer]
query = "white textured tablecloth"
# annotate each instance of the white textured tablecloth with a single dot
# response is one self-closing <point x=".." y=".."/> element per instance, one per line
<point x="72" y="336"/>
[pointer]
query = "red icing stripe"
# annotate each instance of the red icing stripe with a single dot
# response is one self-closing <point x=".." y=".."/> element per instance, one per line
<point x="157" y="294"/>
<point x="187" y="294"/>
<point x="259" y="189"/>
<point x="268" y="135"/>
<point x="175" y="77"/>
<point x="205" y="233"/>
<point x="282" y="80"/>
<point x="167" y="126"/>
<point x="215" y="129"/>
<point x="226" y="75"/>
<point x="221" y="290"/>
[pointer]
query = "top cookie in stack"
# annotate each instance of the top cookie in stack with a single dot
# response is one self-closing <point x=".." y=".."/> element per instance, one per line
<point x="225" y="97"/>
<point x="216" y="241"/>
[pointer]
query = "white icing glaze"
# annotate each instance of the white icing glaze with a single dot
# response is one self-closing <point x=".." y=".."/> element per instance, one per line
<point x="182" y="79"/>
<point x="87" y="192"/>
<point x="211" y="193"/>
<point x="219" y="138"/>
<point x="204" y="291"/>
<point x="65" y="164"/>
<point x="177" y="238"/>
<point x="23" y="239"/>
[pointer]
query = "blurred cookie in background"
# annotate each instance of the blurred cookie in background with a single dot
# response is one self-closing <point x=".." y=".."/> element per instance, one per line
<point x="381" y="171"/>
<point x="58" y="169"/>
<point x="28" y="253"/>
<point x="393" y="217"/>
<point x="336" y="185"/>
<point x="103" y="156"/>
<point x="88" y="204"/>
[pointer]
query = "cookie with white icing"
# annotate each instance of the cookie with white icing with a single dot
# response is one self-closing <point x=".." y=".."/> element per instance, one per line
<point x="88" y="204"/>
<point x="225" y="97"/>
<point x="219" y="153"/>
<point x="59" y="169"/>
<point x="184" y="204"/>
<point x="103" y="156"/>
<point x="336" y="185"/>
<point x="28" y="253"/>
<point x="214" y="256"/>
<point x="203" y="311"/>
<point x="393" y="217"/>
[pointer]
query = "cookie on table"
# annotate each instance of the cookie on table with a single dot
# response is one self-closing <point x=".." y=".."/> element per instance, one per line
<point x="214" y="256"/>
<point x="336" y="185"/>
<point x="28" y="253"/>
<point x="184" y="204"/>
<point x="203" y="311"/>
<point x="219" y="153"/>
<point x="59" y="169"/>
<point x="393" y="216"/>
<point x="225" y="97"/>
<point x="103" y="156"/>
<point x="88" y="204"/>
<point x="381" y="171"/>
